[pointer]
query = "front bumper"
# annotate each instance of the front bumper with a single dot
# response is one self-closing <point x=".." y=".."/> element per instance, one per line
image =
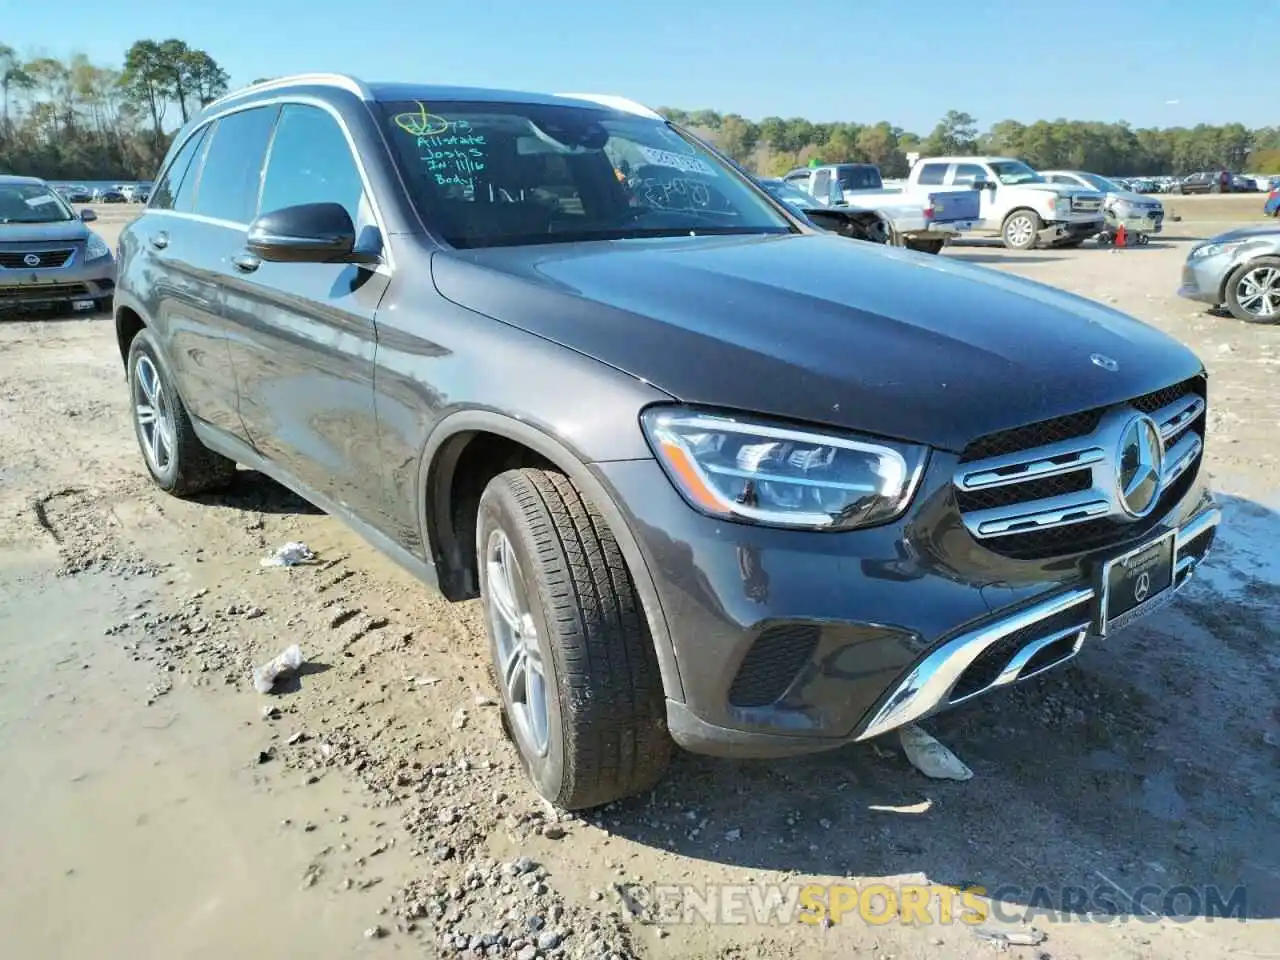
<point x="1203" y="278"/>
<point x="791" y="642"/>
<point x="1060" y="230"/>
<point x="72" y="283"/>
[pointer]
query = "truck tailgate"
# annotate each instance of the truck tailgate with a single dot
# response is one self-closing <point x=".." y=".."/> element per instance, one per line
<point x="953" y="206"/>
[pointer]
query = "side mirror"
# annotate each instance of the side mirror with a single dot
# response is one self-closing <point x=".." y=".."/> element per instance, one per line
<point x="87" y="215"/>
<point x="306" y="233"/>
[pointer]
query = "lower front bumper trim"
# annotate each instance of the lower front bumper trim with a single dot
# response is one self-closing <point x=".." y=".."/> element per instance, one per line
<point x="929" y="687"/>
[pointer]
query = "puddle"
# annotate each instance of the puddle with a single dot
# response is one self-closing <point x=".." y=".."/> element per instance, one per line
<point x="131" y="830"/>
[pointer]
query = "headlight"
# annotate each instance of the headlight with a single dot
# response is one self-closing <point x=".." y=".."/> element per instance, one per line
<point x="1213" y="249"/>
<point x="776" y="475"/>
<point x="96" y="247"/>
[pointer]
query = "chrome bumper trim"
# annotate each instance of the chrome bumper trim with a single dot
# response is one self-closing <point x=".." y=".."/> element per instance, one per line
<point x="927" y="689"/>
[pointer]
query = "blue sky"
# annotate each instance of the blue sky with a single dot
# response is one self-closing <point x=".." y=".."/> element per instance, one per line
<point x="907" y="62"/>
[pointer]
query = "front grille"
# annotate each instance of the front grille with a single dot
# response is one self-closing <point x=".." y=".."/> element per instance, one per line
<point x="1085" y="205"/>
<point x="772" y="663"/>
<point x="1051" y="488"/>
<point x="17" y="259"/>
<point x="43" y="291"/>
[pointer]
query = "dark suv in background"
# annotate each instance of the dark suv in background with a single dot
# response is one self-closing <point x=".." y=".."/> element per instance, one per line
<point x="719" y="478"/>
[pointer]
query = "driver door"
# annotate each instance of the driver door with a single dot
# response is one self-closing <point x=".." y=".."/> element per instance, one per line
<point x="968" y="174"/>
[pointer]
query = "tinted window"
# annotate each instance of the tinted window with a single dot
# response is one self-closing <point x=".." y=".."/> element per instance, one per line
<point x="232" y="172"/>
<point x="860" y="178"/>
<point x="485" y="174"/>
<point x="932" y="173"/>
<point x="968" y="173"/>
<point x="311" y="162"/>
<point x="166" y="192"/>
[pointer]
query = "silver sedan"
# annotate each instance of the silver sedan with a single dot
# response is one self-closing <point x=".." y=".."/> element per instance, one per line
<point x="1239" y="270"/>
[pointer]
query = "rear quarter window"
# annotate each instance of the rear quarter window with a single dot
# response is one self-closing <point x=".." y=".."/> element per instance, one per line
<point x="932" y="174"/>
<point x="169" y="189"/>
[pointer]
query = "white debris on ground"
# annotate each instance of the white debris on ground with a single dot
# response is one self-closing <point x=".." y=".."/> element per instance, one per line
<point x="289" y="555"/>
<point x="265" y="676"/>
<point x="930" y="757"/>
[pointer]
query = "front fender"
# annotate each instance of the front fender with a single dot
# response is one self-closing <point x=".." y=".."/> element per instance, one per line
<point x="435" y="475"/>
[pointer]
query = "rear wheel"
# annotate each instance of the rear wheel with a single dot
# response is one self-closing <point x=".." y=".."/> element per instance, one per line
<point x="571" y="651"/>
<point x="176" y="459"/>
<point x="1020" y="230"/>
<point x="1253" y="291"/>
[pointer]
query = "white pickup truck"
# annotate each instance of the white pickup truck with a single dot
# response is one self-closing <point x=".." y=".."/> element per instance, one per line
<point x="1018" y="204"/>
<point x="919" y="219"/>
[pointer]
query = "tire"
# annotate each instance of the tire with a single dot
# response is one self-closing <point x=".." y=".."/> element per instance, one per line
<point x="547" y="558"/>
<point x="1264" y="272"/>
<point x="1021" y="228"/>
<point x="926" y="246"/>
<point x="174" y="456"/>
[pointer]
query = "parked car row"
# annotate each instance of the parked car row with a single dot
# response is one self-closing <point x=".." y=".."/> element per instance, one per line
<point x="118" y="193"/>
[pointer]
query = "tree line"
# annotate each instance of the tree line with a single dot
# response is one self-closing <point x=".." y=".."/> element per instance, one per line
<point x="76" y="120"/>
<point x="773" y="146"/>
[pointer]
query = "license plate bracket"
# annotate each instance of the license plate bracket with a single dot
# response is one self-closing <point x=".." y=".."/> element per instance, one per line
<point x="1135" y="583"/>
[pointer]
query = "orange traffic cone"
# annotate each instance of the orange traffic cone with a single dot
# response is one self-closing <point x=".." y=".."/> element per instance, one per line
<point x="1121" y="235"/>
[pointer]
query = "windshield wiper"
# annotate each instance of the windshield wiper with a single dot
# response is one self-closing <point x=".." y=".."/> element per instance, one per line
<point x="16" y="220"/>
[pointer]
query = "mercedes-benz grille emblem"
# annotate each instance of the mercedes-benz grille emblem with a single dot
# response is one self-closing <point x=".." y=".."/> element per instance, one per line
<point x="31" y="260"/>
<point x="1105" y="362"/>
<point x="1142" y="587"/>
<point x="1141" y="462"/>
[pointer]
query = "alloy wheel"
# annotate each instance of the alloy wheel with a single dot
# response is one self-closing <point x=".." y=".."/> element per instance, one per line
<point x="520" y="665"/>
<point x="1258" y="292"/>
<point x="154" y="414"/>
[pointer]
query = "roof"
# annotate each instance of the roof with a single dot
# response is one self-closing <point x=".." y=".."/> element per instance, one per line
<point x="393" y="91"/>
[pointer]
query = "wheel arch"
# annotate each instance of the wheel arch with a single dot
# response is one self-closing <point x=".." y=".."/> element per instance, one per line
<point x="463" y="453"/>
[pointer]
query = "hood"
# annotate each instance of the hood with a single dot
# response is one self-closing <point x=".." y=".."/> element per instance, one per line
<point x="1131" y="197"/>
<point x="1062" y="189"/>
<point x="65" y="230"/>
<point x="1262" y="232"/>
<point x="819" y="328"/>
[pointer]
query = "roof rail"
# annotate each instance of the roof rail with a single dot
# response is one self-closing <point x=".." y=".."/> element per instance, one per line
<point x="339" y="80"/>
<point x="617" y="103"/>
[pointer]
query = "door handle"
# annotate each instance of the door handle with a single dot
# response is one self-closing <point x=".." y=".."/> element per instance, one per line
<point x="246" y="262"/>
<point x="160" y="240"/>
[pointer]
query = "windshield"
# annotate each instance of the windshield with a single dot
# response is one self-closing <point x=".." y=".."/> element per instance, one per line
<point x="31" y="203"/>
<point x="791" y="195"/>
<point x="859" y="178"/>
<point x="1014" y="172"/>
<point x="1102" y="183"/>
<point x="501" y="174"/>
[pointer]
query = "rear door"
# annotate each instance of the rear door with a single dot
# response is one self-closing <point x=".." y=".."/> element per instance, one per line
<point x="302" y="335"/>
<point x="171" y="250"/>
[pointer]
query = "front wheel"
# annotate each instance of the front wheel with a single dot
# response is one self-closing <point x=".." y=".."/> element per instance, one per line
<point x="1021" y="228"/>
<point x="571" y="651"/>
<point x="1253" y="291"/>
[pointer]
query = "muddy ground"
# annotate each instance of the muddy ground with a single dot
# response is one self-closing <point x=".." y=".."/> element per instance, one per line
<point x="152" y="804"/>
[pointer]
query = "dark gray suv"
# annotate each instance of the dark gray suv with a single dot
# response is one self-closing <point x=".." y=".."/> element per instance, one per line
<point x="720" y="479"/>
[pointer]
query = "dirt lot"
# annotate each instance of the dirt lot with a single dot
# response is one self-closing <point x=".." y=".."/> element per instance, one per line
<point x="150" y="807"/>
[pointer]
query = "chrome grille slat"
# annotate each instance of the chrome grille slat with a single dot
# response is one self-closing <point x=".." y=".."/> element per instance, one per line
<point x="1009" y="498"/>
<point x="1016" y="468"/>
